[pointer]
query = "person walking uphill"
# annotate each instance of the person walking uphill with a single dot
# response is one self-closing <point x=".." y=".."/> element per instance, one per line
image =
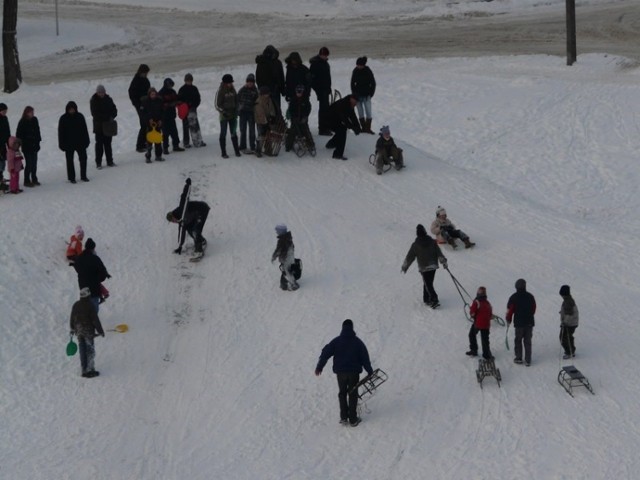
<point x="102" y="110"/>
<point x="285" y="253"/>
<point x="321" y="84"/>
<point x="73" y="136"/>
<point x="139" y="88"/>
<point x="85" y="324"/>
<point x="521" y="309"/>
<point x="227" y="105"/>
<point x="350" y="356"/>
<point x="29" y="132"/>
<point x="91" y="272"/>
<point x="428" y="253"/>
<point x="341" y="117"/>
<point x="569" y="318"/>
<point x="481" y="312"/>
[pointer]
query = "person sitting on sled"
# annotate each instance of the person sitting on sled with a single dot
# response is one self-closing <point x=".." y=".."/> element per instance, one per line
<point x="387" y="151"/>
<point x="195" y="216"/>
<point x="446" y="232"/>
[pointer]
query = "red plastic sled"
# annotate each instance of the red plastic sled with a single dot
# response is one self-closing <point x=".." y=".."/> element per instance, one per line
<point x="183" y="110"/>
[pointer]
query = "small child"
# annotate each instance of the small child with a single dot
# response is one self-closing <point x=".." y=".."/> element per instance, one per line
<point x="74" y="248"/>
<point x="568" y="322"/>
<point x="387" y="151"/>
<point x="247" y="96"/>
<point x="481" y="313"/>
<point x="14" y="164"/>
<point x="298" y="112"/>
<point x="285" y="253"/>
<point x="446" y="232"/>
<point x="264" y="113"/>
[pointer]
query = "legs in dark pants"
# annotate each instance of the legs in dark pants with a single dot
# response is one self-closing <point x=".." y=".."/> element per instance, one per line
<point x="103" y="146"/>
<point x="247" y="120"/>
<point x="323" y="107"/>
<point x="186" y="140"/>
<point x="339" y="140"/>
<point x="196" y="232"/>
<point x="566" y="340"/>
<point x="429" y="295"/>
<point x="169" y="129"/>
<point x="141" y="142"/>
<point x="31" y="166"/>
<point x="348" y="400"/>
<point x="82" y="157"/>
<point x="71" y="171"/>
<point x="523" y="337"/>
<point x="87" y="353"/>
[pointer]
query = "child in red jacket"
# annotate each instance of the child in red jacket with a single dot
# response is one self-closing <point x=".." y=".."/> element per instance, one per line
<point x="481" y="313"/>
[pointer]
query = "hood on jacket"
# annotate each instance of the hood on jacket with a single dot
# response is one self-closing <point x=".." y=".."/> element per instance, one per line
<point x="271" y="52"/>
<point x="71" y="104"/>
<point x="521" y="284"/>
<point x="347" y="328"/>
<point x="294" y="57"/>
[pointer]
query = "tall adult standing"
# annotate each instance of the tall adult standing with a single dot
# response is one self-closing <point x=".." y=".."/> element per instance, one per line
<point x="5" y="133"/>
<point x="341" y="117"/>
<point x="91" y="271"/>
<point x="321" y="84"/>
<point x="297" y="74"/>
<point x="73" y="137"/>
<point x="350" y="356"/>
<point x="270" y="73"/>
<point x="227" y="106"/>
<point x="363" y="86"/>
<point x="139" y="88"/>
<point x="29" y="132"/>
<point x="521" y="309"/>
<point x="102" y="110"/>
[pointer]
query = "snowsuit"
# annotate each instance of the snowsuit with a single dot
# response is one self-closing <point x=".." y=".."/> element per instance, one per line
<point x="428" y="253"/>
<point x="385" y="150"/>
<point x="151" y="111"/>
<point x="138" y="89"/>
<point x="481" y="313"/>
<point x="340" y="118"/>
<point x="91" y="273"/>
<point x="350" y="355"/>
<point x="227" y="105"/>
<point x="73" y="136"/>
<point x="84" y="322"/>
<point x="5" y="133"/>
<point x="29" y="132"/>
<point x="190" y="95"/>
<point x="102" y="110"/>
<point x="321" y="84"/>
<point x="446" y="231"/>
<point x="14" y="164"/>
<point x="297" y="74"/>
<point x="193" y="222"/>
<point x="270" y="73"/>
<point x="74" y="248"/>
<point x="264" y="114"/>
<point x="298" y="112"/>
<point x="285" y="254"/>
<point x="521" y="308"/>
<point x="363" y="86"/>
<point x="247" y="97"/>
<point x="569" y="318"/>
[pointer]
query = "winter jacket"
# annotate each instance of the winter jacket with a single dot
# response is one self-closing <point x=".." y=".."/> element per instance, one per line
<point x="569" y="312"/>
<point x="247" y="97"/>
<point x="74" y="248"/>
<point x="190" y="95"/>
<point x="84" y="319"/>
<point x="14" y="157"/>
<point x="297" y="74"/>
<point x="138" y="88"/>
<point x="363" y="83"/>
<point x="72" y="130"/>
<point x="269" y="70"/>
<point x="5" y="133"/>
<point x="29" y="132"/>
<point x="427" y="251"/>
<point x="151" y="109"/>
<point x="169" y="99"/>
<point x="264" y="111"/>
<point x="299" y="108"/>
<point x="341" y="114"/>
<point x="285" y="250"/>
<point x="195" y="214"/>
<point x="320" y="71"/>
<point x="91" y="271"/>
<point x="102" y="109"/>
<point x="386" y="145"/>
<point x="481" y="312"/>
<point x="439" y="224"/>
<point x="521" y="307"/>
<point x="349" y="353"/>
<point x="227" y="102"/>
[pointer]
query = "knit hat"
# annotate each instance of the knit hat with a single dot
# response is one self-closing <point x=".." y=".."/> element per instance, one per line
<point x="420" y="231"/>
<point x="3" y="107"/>
<point x="168" y="82"/>
<point x="90" y="245"/>
<point x="565" y="290"/>
<point x="361" y="61"/>
<point x="385" y="130"/>
<point x="324" y="51"/>
<point x="85" y="292"/>
<point x="521" y="284"/>
<point x="101" y="89"/>
<point x="482" y="292"/>
<point x="251" y="78"/>
<point x="79" y="232"/>
<point x="188" y="77"/>
<point x="227" y="78"/>
<point x="264" y="90"/>
<point x="143" y="68"/>
<point x="152" y="89"/>
<point x="170" y="217"/>
<point x="440" y="211"/>
<point x="281" y="229"/>
<point x="348" y="324"/>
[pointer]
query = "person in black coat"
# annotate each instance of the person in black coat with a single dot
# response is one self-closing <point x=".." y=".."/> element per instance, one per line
<point x="195" y="216"/>
<point x="102" y="110"/>
<point x="321" y="84"/>
<point x="73" y="136"/>
<point x="169" y="128"/>
<point x="29" y="132"/>
<point x="5" y="133"/>
<point x="270" y="73"/>
<point x="341" y="117"/>
<point x="363" y="86"/>
<point x="91" y="271"/>
<point x="151" y="112"/>
<point x="190" y="95"/>
<point x="521" y="309"/>
<point x="138" y="89"/>
<point x="297" y="74"/>
<point x="350" y="356"/>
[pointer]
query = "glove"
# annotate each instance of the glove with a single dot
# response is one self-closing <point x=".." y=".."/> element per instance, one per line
<point x="102" y="334"/>
<point x="188" y="182"/>
<point x="318" y="372"/>
<point x="178" y="250"/>
<point x="404" y="270"/>
<point x="72" y="332"/>
<point x="108" y="276"/>
<point x="444" y="264"/>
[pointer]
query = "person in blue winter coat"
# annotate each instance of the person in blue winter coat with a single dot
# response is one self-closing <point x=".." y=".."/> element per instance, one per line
<point x="350" y="356"/>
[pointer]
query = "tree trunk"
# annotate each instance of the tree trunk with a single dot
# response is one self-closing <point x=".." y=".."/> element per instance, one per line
<point x="12" y="74"/>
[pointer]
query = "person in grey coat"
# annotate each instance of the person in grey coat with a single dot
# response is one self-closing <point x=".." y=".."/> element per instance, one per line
<point x="285" y="253"/>
<point x="569" y="318"/>
<point x="426" y="250"/>
<point x="84" y="323"/>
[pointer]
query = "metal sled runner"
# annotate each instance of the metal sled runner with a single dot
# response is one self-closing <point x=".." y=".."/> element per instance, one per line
<point x="487" y="368"/>
<point x="570" y="377"/>
<point x="366" y="387"/>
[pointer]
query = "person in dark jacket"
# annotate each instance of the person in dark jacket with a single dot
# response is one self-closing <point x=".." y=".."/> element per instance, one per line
<point x="569" y="318"/>
<point x="521" y="309"/>
<point x="341" y="117"/>
<point x="29" y="132"/>
<point x="387" y="151"/>
<point x="5" y="133"/>
<point x="85" y="324"/>
<point x="321" y="84"/>
<point x="190" y="95"/>
<point x="151" y="111"/>
<point x="91" y="271"/>
<point x="247" y="97"/>
<point x="297" y="74"/>
<point x="73" y="136"/>
<point x="270" y="73"/>
<point x="285" y="254"/>
<point x="138" y="89"/>
<point x="227" y="106"/>
<point x="426" y="250"/>
<point x="169" y="128"/>
<point x="195" y="216"/>
<point x="102" y="110"/>
<point x="481" y="313"/>
<point x="298" y="112"/>
<point x="350" y="356"/>
<point x="363" y="86"/>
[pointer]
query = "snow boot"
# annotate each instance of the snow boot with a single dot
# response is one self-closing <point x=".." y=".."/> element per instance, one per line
<point x="367" y="126"/>
<point x="452" y="241"/>
<point x="259" y="149"/>
<point x="165" y="150"/>
<point x="356" y="422"/>
<point x="468" y="243"/>
<point x="236" y="149"/>
<point x="223" y="148"/>
<point x="178" y="149"/>
<point x="471" y="353"/>
<point x="363" y="124"/>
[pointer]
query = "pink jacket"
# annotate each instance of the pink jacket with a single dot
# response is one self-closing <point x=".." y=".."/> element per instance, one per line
<point x="14" y="157"/>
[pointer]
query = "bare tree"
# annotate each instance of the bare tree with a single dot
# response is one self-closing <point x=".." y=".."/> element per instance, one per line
<point x="12" y="73"/>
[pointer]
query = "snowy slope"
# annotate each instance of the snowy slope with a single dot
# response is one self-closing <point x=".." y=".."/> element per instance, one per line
<point x="215" y="378"/>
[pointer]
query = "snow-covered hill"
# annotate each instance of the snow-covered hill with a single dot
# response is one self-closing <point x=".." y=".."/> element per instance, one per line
<point x="535" y="160"/>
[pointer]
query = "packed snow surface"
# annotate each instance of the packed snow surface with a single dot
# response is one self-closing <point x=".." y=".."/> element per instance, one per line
<point x="536" y="161"/>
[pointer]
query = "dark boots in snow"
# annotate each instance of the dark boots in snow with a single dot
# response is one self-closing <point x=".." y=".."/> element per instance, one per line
<point x="236" y="149"/>
<point x="223" y="148"/>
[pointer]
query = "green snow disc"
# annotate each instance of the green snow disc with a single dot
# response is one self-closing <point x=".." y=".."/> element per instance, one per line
<point x="72" y="348"/>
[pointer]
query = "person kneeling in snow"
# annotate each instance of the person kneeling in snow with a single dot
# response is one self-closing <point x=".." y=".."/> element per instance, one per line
<point x="285" y="253"/>
<point x="446" y="232"/>
<point x="195" y="216"/>
<point x="387" y="151"/>
<point x="84" y="323"/>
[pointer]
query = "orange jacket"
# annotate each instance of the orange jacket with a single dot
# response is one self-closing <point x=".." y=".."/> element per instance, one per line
<point x="75" y="247"/>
